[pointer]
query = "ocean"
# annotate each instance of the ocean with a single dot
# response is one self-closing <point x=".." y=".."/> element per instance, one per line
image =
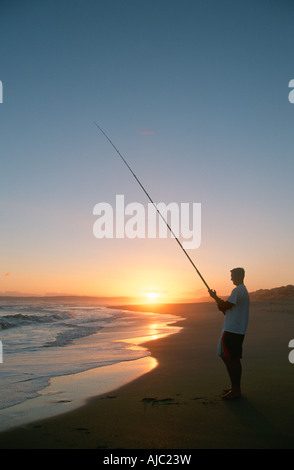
<point x="96" y="347"/>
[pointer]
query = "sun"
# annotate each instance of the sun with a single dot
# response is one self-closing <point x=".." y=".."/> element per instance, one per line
<point x="152" y="296"/>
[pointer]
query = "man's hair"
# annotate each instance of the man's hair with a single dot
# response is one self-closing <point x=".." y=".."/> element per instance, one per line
<point x="239" y="273"/>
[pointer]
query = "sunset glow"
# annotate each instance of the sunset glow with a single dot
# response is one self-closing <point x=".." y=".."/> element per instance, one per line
<point x="152" y="296"/>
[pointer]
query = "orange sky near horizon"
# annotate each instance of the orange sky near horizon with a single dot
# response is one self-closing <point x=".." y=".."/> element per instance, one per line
<point x="166" y="274"/>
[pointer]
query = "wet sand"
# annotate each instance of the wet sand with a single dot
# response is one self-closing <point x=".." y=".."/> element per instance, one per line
<point x="178" y="404"/>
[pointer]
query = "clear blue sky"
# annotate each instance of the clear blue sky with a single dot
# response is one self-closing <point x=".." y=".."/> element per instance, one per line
<point x="208" y="80"/>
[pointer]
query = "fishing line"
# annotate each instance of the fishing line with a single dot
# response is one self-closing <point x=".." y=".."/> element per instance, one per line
<point x="150" y="199"/>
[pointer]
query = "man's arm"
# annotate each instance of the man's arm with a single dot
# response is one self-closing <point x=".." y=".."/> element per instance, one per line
<point x="223" y="305"/>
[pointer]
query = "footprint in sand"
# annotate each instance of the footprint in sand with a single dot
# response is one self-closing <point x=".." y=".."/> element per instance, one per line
<point x="160" y="402"/>
<point x="210" y="402"/>
<point x="206" y="400"/>
<point x="148" y="400"/>
<point x="85" y="430"/>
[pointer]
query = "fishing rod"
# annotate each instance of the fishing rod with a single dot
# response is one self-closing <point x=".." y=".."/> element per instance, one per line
<point x="148" y="196"/>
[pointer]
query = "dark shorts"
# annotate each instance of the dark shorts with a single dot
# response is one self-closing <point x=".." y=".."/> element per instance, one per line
<point x="231" y="345"/>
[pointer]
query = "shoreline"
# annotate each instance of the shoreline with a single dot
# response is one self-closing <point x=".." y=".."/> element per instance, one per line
<point x="177" y="405"/>
<point x="68" y="392"/>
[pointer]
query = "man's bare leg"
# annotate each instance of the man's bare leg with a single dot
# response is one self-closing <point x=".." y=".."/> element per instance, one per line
<point x="234" y="369"/>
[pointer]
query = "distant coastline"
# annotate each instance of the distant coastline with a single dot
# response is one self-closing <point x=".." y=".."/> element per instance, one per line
<point x="276" y="293"/>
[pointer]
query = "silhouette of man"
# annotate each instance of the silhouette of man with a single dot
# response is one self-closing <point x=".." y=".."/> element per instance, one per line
<point x="236" y="311"/>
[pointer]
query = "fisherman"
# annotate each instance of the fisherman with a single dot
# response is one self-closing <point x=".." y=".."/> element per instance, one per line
<point x="236" y="311"/>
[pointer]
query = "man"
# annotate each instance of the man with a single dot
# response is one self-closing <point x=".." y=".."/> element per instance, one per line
<point x="236" y="311"/>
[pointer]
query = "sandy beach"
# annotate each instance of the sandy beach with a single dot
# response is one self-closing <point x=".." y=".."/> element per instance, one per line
<point x="178" y="404"/>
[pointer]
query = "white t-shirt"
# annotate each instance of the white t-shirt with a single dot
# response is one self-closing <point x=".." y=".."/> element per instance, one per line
<point x="236" y="318"/>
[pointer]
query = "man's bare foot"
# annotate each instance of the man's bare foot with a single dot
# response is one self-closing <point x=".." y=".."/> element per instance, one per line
<point x="227" y="390"/>
<point x="232" y="395"/>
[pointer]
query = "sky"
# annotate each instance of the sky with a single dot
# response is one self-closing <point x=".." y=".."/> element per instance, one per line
<point x="194" y="94"/>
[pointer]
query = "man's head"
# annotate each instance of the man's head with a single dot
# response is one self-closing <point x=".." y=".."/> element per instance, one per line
<point x="237" y="276"/>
